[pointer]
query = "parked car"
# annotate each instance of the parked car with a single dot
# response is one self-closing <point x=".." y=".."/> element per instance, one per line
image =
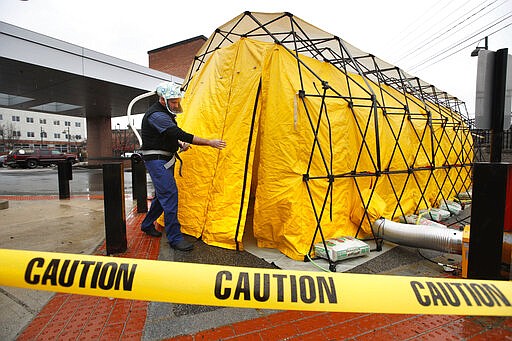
<point x="2" y="160"/>
<point x="31" y="158"/>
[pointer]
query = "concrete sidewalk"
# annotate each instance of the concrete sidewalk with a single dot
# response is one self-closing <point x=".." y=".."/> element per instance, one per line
<point x="77" y="226"/>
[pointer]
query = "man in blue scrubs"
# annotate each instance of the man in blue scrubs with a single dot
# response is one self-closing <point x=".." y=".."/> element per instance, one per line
<point x="161" y="139"/>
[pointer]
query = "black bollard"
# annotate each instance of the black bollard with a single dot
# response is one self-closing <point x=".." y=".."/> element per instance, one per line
<point x="488" y="212"/>
<point x="64" y="171"/>
<point x="113" y="202"/>
<point x="139" y="183"/>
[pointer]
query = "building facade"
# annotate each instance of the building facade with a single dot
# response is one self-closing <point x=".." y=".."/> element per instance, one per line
<point x="29" y="129"/>
<point x="176" y="59"/>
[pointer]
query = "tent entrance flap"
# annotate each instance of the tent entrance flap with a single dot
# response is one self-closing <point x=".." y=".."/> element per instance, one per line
<point x="251" y="186"/>
<point x="221" y="101"/>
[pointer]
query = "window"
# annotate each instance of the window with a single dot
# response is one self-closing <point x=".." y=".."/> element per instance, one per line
<point x="16" y="133"/>
<point x="56" y="123"/>
<point x="77" y="124"/>
<point x="56" y="135"/>
<point x="67" y="123"/>
<point x="30" y="120"/>
<point x="42" y="120"/>
<point x="43" y="134"/>
<point x="30" y="134"/>
<point x="1" y="117"/>
<point x="15" y="118"/>
<point x="78" y="137"/>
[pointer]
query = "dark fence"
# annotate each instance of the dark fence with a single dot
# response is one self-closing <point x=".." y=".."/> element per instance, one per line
<point x="482" y="138"/>
<point x="482" y="145"/>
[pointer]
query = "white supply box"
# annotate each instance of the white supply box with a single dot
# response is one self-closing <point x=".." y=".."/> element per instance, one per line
<point x="342" y="248"/>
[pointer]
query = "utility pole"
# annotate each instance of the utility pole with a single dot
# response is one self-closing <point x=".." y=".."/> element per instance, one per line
<point x="69" y="138"/>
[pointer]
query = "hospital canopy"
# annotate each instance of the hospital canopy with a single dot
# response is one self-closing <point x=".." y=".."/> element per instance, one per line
<point x="323" y="138"/>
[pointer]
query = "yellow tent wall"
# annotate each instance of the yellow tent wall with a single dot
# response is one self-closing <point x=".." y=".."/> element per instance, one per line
<point x="323" y="151"/>
<point x="220" y="104"/>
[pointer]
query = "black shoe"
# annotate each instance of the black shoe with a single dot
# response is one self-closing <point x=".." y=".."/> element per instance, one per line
<point x="152" y="232"/>
<point x="183" y="245"/>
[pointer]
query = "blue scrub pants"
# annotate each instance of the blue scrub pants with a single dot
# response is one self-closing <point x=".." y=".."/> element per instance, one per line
<point x="166" y="200"/>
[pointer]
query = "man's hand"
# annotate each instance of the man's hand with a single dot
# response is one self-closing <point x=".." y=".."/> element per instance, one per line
<point x="185" y="146"/>
<point x="219" y="144"/>
<point x="215" y="143"/>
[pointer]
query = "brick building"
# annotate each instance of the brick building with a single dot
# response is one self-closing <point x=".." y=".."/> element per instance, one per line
<point x="175" y="59"/>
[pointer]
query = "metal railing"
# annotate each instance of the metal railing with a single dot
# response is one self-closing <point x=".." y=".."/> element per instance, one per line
<point x="482" y="145"/>
<point x="482" y="138"/>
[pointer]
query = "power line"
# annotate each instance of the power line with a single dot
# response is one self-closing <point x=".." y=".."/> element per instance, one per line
<point x="414" y="23"/>
<point x="426" y="63"/>
<point x="428" y="26"/>
<point x="422" y="26"/>
<point x="420" y="47"/>
<point x="490" y="25"/>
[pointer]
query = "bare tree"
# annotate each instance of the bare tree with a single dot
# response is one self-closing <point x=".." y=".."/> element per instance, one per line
<point x="8" y="135"/>
<point x="123" y="140"/>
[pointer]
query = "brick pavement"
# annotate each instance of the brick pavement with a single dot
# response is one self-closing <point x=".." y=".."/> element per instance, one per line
<point x="296" y="325"/>
<point x="79" y="317"/>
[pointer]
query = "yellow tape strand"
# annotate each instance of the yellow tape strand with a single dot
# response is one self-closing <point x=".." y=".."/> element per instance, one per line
<point x="217" y="285"/>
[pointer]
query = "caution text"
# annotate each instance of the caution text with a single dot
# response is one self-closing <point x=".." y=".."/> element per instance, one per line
<point x="263" y="287"/>
<point x="85" y="274"/>
<point x="457" y="294"/>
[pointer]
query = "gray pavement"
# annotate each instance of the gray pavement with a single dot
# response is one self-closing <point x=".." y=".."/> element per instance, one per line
<point x="68" y="226"/>
<point x="166" y="320"/>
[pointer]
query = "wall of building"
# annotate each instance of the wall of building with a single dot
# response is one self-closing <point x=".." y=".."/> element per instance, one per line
<point x="40" y="130"/>
<point x="176" y="59"/>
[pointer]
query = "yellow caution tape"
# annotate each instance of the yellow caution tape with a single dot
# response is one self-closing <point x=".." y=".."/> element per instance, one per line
<point x="217" y="285"/>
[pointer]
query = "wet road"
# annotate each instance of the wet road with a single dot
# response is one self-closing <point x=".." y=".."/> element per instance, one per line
<point x="44" y="181"/>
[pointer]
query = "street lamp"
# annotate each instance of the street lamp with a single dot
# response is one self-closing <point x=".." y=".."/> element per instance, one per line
<point x="477" y="49"/>
<point x="42" y="135"/>
<point x="68" y="136"/>
<point x="117" y="140"/>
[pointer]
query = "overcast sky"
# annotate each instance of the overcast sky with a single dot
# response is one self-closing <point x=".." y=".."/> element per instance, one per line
<point x="431" y="39"/>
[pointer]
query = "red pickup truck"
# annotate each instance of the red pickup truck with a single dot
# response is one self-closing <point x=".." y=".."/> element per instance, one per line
<point x="31" y="158"/>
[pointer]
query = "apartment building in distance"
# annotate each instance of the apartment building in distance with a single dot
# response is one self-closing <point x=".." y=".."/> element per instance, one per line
<point x="30" y="129"/>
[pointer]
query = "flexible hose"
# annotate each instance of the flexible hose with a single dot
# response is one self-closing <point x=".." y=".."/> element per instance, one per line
<point x="420" y="236"/>
<point x="129" y="111"/>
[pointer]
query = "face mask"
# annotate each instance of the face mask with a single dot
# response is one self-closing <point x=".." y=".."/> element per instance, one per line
<point x="177" y="109"/>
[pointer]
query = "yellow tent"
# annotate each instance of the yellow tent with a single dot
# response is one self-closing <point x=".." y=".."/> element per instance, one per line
<point x="322" y="138"/>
